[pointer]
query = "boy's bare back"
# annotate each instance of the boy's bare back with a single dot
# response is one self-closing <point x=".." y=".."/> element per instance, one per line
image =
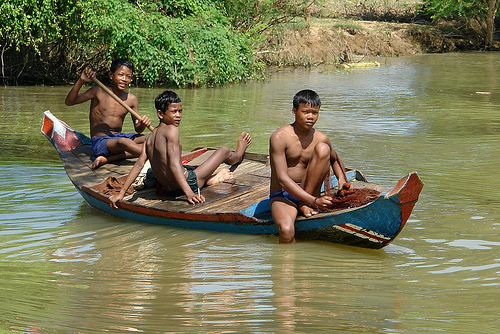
<point x="161" y="146"/>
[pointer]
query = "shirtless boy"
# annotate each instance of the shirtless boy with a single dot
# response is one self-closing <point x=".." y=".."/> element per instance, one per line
<point x="107" y="115"/>
<point x="163" y="149"/>
<point x="300" y="159"/>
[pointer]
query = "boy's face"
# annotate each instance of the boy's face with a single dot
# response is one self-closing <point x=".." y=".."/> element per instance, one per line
<point x="121" y="77"/>
<point x="173" y="114"/>
<point x="306" y="115"/>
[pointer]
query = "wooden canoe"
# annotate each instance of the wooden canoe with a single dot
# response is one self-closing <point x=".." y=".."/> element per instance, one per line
<point x="240" y="205"/>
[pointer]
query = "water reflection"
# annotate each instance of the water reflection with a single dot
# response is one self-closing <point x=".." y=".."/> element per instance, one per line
<point x="140" y="278"/>
<point x="68" y="268"/>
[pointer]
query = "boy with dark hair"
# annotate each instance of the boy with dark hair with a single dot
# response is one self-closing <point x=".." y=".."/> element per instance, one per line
<point x="163" y="149"/>
<point x="301" y="157"/>
<point x="107" y="115"/>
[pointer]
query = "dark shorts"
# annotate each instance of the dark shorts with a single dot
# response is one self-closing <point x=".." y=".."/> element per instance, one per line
<point x="99" y="144"/>
<point x="286" y="195"/>
<point x="191" y="179"/>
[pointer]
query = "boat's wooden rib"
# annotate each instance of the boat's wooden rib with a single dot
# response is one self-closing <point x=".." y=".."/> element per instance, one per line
<point x="239" y="205"/>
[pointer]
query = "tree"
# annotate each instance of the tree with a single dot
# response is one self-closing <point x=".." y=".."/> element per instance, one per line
<point x="490" y="20"/>
<point x="29" y="30"/>
<point x="174" y="42"/>
<point x="483" y="12"/>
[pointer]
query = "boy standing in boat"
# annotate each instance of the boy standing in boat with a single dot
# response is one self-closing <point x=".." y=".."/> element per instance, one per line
<point x="300" y="160"/>
<point x="163" y="149"/>
<point x="107" y="115"/>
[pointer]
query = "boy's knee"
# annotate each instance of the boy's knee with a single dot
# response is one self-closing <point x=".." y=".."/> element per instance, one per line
<point x="322" y="150"/>
<point x="287" y="236"/>
<point x="287" y="231"/>
<point x="128" y="145"/>
<point x="125" y="141"/>
<point x="140" y="139"/>
<point x="225" y="150"/>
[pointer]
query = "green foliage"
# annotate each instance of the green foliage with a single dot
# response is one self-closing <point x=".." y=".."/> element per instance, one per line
<point x="178" y="42"/>
<point x="174" y="8"/>
<point x="182" y="51"/>
<point x="32" y="23"/>
<point x="478" y="14"/>
<point x="444" y="9"/>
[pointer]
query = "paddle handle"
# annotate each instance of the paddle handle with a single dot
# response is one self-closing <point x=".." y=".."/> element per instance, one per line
<point x="124" y="105"/>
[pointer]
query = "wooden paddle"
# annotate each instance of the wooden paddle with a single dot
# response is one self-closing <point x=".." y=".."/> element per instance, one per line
<point x="124" y="105"/>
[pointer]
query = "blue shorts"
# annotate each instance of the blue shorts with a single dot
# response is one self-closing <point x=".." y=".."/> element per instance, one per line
<point x="99" y="144"/>
<point x="285" y="194"/>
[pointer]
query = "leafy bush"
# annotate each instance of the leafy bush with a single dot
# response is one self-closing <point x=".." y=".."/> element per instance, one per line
<point x="181" y="50"/>
<point x="175" y="42"/>
<point x="479" y="15"/>
<point x="172" y="50"/>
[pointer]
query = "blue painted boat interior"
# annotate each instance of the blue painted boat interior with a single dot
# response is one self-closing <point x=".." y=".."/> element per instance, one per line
<point x="262" y="209"/>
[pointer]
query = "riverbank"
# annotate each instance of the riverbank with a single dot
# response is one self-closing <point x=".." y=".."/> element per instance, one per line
<point x="331" y="32"/>
<point x="339" y="41"/>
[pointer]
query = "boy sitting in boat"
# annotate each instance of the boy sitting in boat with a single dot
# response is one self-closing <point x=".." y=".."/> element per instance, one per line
<point x="107" y="115"/>
<point x="163" y="149"/>
<point x="300" y="160"/>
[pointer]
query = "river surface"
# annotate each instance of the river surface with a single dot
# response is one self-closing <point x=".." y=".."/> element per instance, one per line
<point x="67" y="268"/>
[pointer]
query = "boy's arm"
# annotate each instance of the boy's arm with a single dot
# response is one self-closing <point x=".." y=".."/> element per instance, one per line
<point x="174" y="161"/>
<point x="73" y="97"/>
<point x="279" y="164"/>
<point x="139" y="124"/>
<point x="338" y="169"/>
<point x="134" y="172"/>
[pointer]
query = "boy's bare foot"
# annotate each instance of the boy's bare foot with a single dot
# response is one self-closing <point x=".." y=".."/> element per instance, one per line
<point x="223" y="175"/>
<point x="243" y="142"/>
<point x="99" y="161"/>
<point x="307" y="211"/>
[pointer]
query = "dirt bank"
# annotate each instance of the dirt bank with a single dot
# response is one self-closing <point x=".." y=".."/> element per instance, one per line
<point x="334" y="41"/>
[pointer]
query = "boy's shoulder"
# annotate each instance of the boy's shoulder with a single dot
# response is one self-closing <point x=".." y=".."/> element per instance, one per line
<point x="282" y="136"/>
<point x="319" y="134"/>
<point x="93" y="91"/>
<point x="130" y="95"/>
<point x="283" y="129"/>
<point x="167" y="130"/>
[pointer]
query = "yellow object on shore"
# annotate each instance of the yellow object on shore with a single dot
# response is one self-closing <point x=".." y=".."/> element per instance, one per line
<point x="360" y="65"/>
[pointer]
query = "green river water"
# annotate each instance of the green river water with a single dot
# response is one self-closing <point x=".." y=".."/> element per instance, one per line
<point x="67" y="268"/>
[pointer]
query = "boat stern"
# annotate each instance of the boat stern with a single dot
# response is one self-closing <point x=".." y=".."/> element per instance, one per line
<point x="60" y="135"/>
